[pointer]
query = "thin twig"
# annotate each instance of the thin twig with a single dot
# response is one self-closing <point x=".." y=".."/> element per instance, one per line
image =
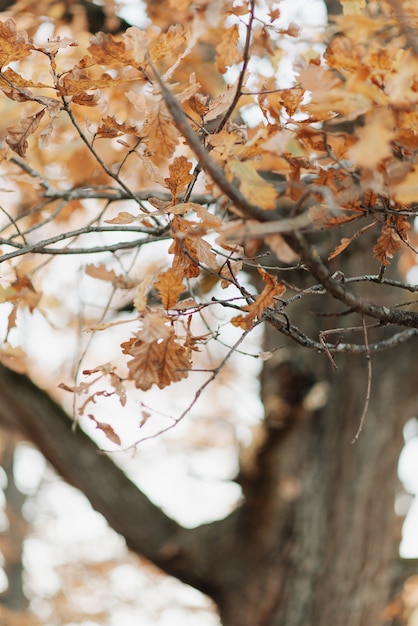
<point x="241" y="78"/>
<point x="369" y="384"/>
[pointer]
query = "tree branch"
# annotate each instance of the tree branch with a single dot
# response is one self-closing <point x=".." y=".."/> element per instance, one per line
<point x="318" y="269"/>
<point x="185" y="554"/>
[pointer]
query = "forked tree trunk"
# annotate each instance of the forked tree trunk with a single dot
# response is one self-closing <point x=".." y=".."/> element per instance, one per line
<point x="318" y="535"/>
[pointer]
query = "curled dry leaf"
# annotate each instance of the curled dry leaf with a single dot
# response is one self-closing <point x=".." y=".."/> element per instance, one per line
<point x="272" y="290"/>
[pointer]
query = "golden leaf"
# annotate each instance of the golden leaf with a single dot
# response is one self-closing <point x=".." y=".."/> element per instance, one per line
<point x="291" y="98"/>
<point x="162" y="135"/>
<point x="374" y="144"/>
<point x="227" y="51"/>
<point x="265" y="299"/>
<point x="180" y="176"/>
<point x="105" y="50"/>
<point x="252" y="185"/>
<point x="168" y="42"/>
<point x="14" y="44"/>
<point x="170" y="285"/>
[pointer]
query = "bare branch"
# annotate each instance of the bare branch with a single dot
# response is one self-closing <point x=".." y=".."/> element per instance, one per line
<point x="318" y="269"/>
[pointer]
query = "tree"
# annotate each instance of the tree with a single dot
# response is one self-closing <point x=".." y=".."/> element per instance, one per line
<point x="129" y="140"/>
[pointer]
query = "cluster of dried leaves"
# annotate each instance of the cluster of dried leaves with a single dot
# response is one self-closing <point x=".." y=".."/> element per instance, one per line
<point x="149" y="125"/>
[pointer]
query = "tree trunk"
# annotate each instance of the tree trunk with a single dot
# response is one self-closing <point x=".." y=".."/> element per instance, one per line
<point x="318" y="530"/>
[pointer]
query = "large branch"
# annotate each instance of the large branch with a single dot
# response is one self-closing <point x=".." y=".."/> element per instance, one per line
<point x="186" y="554"/>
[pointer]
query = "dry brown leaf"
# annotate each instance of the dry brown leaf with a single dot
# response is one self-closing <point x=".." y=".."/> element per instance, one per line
<point x="179" y="177"/>
<point x="290" y="99"/>
<point x="170" y="285"/>
<point x="105" y="50"/>
<point x="265" y="299"/>
<point x="168" y="42"/>
<point x="110" y="128"/>
<point x="14" y="358"/>
<point x="161" y="362"/>
<point x="17" y="137"/>
<point x="162" y="136"/>
<point x="227" y="52"/>
<point x="375" y="140"/>
<point x="184" y="249"/>
<point x="107" y="430"/>
<point x="345" y="241"/>
<point x="14" y="44"/>
<point x="156" y="325"/>
<point x="102" y="273"/>
<point x="394" y="231"/>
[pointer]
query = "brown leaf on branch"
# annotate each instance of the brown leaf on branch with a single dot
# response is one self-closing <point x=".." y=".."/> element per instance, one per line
<point x="110" y="128"/>
<point x="105" y="50"/>
<point x="162" y="136"/>
<point x="17" y="137"/>
<point x="170" y="285"/>
<point x="106" y="430"/>
<point x="227" y="51"/>
<point x="265" y="299"/>
<point x="160" y="362"/>
<point x="394" y="232"/>
<point x="180" y="176"/>
<point x="290" y="99"/>
<point x="184" y="249"/>
<point x="14" y="44"/>
<point x="345" y="241"/>
<point x="168" y="42"/>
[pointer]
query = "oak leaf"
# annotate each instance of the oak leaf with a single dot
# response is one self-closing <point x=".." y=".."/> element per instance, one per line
<point x="14" y="44"/>
<point x="105" y="50"/>
<point x="162" y="135"/>
<point x="168" y="42"/>
<point x="394" y="232"/>
<point x="161" y="362"/>
<point x="110" y="128"/>
<point x="227" y="51"/>
<point x="102" y="273"/>
<point x="180" y="176"/>
<point x="169" y="285"/>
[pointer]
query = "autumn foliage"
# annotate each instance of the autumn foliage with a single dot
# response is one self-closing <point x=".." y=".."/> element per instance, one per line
<point x="171" y="136"/>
